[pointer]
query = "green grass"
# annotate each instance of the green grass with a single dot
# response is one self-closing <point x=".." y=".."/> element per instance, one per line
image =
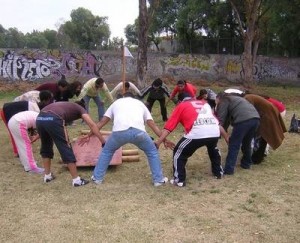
<point x="259" y="205"/>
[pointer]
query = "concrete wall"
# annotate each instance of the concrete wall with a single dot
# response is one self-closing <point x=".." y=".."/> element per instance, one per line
<point x="42" y="65"/>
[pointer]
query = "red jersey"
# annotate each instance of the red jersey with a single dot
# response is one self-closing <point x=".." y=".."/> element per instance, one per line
<point x="197" y="119"/>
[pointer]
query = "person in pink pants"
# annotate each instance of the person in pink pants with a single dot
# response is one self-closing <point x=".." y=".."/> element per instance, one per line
<point x="18" y="125"/>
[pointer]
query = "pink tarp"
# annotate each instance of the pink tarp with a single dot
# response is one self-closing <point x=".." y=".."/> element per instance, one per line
<point x="87" y="155"/>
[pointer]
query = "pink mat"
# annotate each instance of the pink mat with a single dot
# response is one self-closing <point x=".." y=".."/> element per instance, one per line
<point x="87" y="155"/>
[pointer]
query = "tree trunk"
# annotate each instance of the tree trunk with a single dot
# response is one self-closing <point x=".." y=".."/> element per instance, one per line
<point x="142" y="44"/>
<point x="247" y="62"/>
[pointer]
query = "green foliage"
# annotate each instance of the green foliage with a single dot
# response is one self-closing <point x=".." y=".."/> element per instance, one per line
<point x="87" y="30"/>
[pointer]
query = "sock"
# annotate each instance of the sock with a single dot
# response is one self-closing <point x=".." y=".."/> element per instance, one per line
<point x="77" y="179"/>
<point x="49" y="176"/>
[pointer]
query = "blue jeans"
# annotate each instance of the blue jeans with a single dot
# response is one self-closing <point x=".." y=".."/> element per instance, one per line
<point x="137" y="137"/>
<point x="241" y="137"/>
<point x="99" y="103"/>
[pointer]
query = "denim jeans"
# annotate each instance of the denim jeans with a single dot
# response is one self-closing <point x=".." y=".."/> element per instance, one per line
<point x="98" y="102"/>
<point x="241" y="137"/>
<point x="137" y="137"/>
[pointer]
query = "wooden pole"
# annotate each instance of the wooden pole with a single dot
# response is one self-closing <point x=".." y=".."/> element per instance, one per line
<point x="130" y="152"/>
<point x="123" y="69"/>
<point x="130" y="158"/>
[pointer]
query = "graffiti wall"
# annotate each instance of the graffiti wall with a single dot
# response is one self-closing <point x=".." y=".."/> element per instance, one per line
<point x="38" y="65"/>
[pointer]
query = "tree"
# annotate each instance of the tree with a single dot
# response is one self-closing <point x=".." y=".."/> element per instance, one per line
<point x="131" y="33"/>
<point x="14" y="38"/>
<point x="145" y="17"/>
<point x="87" y="30"/>
<point x="248" y="15"/>
<point x="51" y="36"/>
<point x="36" y="40"/>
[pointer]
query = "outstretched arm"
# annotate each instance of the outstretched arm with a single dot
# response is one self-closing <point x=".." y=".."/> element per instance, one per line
<point x="94" y="127"/>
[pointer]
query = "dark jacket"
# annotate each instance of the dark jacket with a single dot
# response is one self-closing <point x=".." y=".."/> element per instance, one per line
<point x="234" y="109"/>
<point x="155" y="93"/>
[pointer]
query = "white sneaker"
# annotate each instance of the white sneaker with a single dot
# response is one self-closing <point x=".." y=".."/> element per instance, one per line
<point x="48" y="178"/>
<point x="164" y="181"/>
<point x="96" y="181"/>
<point x="176" y="183"/>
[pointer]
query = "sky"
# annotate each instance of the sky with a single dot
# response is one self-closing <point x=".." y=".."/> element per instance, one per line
<point x="29" y="15"/>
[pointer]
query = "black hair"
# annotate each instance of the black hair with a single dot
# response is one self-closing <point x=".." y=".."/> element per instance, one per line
<point x="203" y="92"/>
<point x="183" y="95"/>
<point x="73" y="88"/>
<point x="99" y="81"/>
<point x="46" y="97"/>
<point x="157" y="82"/>
<point x="81" y="103"/>
<point x="128" y="94"/>
<point x="62" y="83"/>
<point x="181" y="82"/>
<point x="127" y="85"/>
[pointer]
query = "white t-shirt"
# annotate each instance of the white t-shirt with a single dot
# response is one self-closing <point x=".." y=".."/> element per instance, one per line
<point x="128" y="112"/>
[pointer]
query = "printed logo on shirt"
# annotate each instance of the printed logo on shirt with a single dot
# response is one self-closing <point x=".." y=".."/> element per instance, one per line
<point x="205" y="121"/>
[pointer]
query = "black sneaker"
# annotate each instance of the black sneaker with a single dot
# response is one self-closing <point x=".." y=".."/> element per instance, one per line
<point x="82" y="182"/>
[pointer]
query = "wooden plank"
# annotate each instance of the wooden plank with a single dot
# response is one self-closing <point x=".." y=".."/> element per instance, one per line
<point x="87" y="154"/>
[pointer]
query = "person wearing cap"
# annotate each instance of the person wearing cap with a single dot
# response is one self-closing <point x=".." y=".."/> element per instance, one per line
<point x="118" y="91"/>
<point x="201" y="129"/>
<point x="243" y="117"/>
<point x="157" y="91"/>
<point x="90" y="90"/>
<point x="183" y="86"/>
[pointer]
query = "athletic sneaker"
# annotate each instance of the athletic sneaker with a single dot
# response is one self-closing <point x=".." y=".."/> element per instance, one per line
<point x="37" y="170"/>
<point x="48" y="178"/>
<point x="164" y="181"/>
<point x="96" y="181"/>
<point x="81" y="182"/>
<point x="175" y="182"/>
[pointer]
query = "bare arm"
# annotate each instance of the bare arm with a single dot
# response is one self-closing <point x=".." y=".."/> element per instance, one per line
<point x="224" y="134"/>
<point x="154" y="127"/>
<point x="161" y="134"/>
<point x="93" y="126"/>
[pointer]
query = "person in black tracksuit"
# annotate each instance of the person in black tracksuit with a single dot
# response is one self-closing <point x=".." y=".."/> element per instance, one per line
<point x="157" y="91"/>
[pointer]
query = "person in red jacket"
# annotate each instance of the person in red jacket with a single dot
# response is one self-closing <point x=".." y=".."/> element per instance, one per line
<point x="183" y="87"/>
<point x="201" y="129"/>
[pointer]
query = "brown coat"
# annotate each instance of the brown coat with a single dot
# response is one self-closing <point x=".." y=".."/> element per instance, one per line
<point x="272" y="127"/>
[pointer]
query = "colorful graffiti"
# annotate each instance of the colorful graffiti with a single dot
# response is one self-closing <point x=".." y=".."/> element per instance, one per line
<point x="34" y="65"/>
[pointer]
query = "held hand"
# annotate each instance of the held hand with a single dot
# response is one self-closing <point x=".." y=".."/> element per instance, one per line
<point x="83" y="140"/>
<point x="34" y="138"/>
<point x="156" y="144"/>
<point x="169" y="144"/>
<point x="227" y="139"/>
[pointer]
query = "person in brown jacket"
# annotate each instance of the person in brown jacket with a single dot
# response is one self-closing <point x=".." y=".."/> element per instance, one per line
<point x="271" y="129"/>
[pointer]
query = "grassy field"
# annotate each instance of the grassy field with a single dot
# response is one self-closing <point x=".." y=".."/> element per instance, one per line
<point x="258" y="205"/>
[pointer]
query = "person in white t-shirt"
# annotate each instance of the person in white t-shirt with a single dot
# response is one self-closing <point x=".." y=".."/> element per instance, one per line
<point x="201" y="129"/>
<point x="129" y="116"/>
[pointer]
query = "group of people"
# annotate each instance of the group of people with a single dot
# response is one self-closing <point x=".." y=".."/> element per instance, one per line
<point x="205" y="117"/>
